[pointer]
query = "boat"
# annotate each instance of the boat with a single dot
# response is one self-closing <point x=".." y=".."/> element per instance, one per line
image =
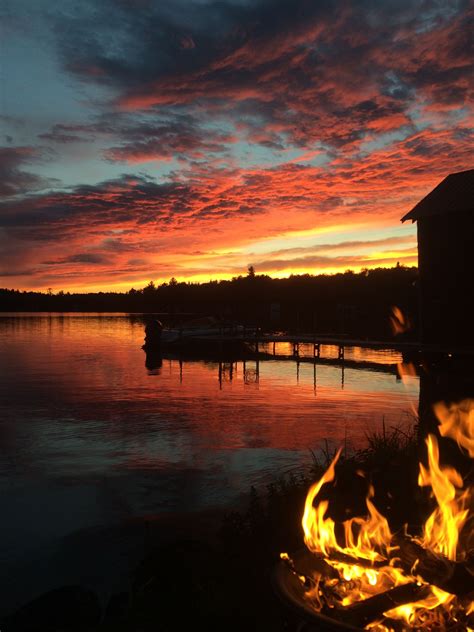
<point x="203" y="335"/>
<point x="201" y="327"/>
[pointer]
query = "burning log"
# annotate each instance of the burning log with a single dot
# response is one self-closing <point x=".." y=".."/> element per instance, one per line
<point x="361" y="613"/>
<point x="344" y="558"/>
<point x="307" y="565"/>
<point x="303" y="571"/>
<point x="310" y="567"/>
<point x="456" y="578"/>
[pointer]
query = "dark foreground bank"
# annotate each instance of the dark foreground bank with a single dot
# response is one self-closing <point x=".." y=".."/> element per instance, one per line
<point x="170" y="572"/>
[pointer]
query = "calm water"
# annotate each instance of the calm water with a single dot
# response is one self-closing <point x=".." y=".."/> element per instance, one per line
<point x="91" y="436"/>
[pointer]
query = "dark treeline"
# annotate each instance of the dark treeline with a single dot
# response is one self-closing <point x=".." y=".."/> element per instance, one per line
<point x="356" y="304"/>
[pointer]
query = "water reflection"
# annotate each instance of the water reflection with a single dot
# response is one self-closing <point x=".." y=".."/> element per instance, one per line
<point x="153" y="362"/>
<point x="253" y="370"/>
<point x="94" y="429"/>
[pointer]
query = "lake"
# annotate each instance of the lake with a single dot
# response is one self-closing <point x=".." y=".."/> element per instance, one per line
<point x="93" y="435"/>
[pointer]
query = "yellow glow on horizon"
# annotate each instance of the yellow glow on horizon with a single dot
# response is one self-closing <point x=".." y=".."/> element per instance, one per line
<point x="330" y="270"/>
<point x="394" y="254"/>
<point x="201" y="278"/>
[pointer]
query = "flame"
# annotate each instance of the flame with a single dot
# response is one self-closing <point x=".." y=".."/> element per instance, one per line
<point x="399" y="322"/>
<point x="363" y="554"/>
<point x="409" y="612"/>
<point x="406" y="370"/>
<point x="457" y="422"/>
<point x="441" y="530"/>
<point x="373" y="533"/>
<point x="319" y="534"/>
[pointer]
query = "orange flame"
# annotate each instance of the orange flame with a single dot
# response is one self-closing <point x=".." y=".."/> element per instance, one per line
<point x="319" y="534"/>
<point x="457" y="422"/>
<point x="441" y="530"/>
<point x="370" y="538"/>
<point x="373" y="533"/>
<point x="406" y="370"/>
<point x="399" y="322"/>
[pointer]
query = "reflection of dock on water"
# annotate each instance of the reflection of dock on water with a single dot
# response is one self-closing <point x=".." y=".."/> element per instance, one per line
<point x="296" y="347"/>
<point x="258" y="341"/>
<point x="256" y="348"/>
<point x="251" y="370"/>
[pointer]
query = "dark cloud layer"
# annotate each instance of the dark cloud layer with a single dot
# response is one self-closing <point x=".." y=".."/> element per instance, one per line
<point x="167" y="141"/>
<point x="174" y="135"/>
<point x="128" y="200"/>
<point x="326" y="72"/>
<point x="13" y="179"/>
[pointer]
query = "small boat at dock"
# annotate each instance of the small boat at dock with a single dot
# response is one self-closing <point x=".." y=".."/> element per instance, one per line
<point x="203" y="335"/>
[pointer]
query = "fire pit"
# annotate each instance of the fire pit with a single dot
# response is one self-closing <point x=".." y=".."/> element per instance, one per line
<point x="292" y="583"/>
<point x="359" y="575"/>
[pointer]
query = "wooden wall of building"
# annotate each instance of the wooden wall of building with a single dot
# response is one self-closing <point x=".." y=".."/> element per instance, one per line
<point x="446" y="269"/>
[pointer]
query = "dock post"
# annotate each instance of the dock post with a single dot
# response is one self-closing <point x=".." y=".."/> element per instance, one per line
<point x="341" y="352"/>
<point x="316" y="350"/>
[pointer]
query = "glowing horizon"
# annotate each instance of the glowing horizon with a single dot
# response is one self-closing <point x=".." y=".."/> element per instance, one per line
<point x="124" y="287"/>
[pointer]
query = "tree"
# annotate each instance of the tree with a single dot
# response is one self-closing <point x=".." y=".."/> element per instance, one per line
<point x="149" y="288"/>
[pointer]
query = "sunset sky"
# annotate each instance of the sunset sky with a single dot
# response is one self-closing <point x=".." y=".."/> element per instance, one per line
<point x="145" y="139"/>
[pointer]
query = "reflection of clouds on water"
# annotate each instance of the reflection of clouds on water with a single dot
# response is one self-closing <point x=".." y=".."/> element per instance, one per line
<point x="99" y="376"/>
<point x="91" y="419"/>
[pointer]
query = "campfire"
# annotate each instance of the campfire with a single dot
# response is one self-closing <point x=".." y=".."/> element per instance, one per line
<point x="359" y="575"/>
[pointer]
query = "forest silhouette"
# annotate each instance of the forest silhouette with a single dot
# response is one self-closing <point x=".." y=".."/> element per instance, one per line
<point x="349" y="303"/>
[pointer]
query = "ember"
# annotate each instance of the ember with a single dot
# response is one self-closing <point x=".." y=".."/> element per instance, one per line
<point x="368" y="577"/>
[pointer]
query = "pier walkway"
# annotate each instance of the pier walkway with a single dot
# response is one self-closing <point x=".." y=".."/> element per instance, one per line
<point x="260" y="340"/>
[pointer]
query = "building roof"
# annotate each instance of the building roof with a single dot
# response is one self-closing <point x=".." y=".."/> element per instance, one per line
<point x="455" y="194"/>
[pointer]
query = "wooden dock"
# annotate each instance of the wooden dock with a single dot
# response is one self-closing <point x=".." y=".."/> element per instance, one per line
<point x="259" y="340"/>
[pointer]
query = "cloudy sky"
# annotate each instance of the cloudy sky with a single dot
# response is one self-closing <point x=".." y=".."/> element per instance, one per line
<point x="145" y="139"/>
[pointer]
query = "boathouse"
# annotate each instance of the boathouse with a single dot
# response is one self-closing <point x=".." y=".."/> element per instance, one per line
<point x="445" y="228"/>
